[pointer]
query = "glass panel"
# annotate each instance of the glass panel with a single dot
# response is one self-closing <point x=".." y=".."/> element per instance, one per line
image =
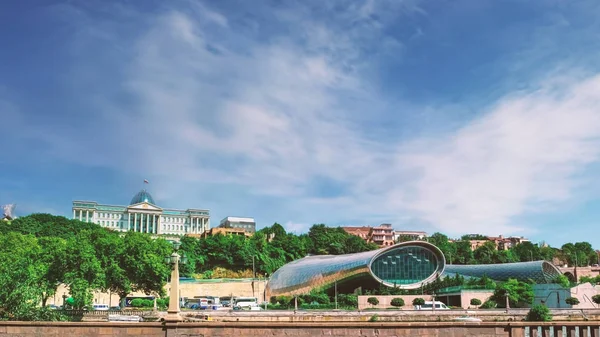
<point x="405" y="265"/>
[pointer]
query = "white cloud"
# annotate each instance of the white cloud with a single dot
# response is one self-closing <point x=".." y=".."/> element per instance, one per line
<point x="273" y="116"/>
<point x="522" y="155"/>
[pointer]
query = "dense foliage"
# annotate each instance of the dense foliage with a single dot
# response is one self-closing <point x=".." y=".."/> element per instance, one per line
<point x="519" y="294"/>
<point x="41" y="251"/>
<point x="572" y="300"/>
<point x="539" y="313"/>
<point x="267" y="250"/>
<point x="397" y="302"/>
<point x="475" y="302"/>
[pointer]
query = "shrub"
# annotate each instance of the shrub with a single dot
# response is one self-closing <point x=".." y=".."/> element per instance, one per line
<point x="348" y="300"/>
<point x="397" y="302"/>
<point x="374" y="317"/>
<point x="489" y="304"/>
<point x="539" y="313"/>
<point x="596" y="299"/>
<point x="572" y="300"/>
<point x="147" y="303"/>
<point x="162" y="302"/>
<point x="475" y="301"/>
<point x="373" y="301"/>
<point x="284" y="301"/>
<point x="418" y="301"/>
<point x="137" y="303"/>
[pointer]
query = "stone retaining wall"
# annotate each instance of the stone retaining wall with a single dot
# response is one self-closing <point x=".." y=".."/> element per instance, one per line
<point x="429" y="329"/>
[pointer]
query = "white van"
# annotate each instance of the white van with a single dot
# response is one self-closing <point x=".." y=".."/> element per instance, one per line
<point x="246" y="302"/>
<point x="429" y="306"/>
<point x="103" y="307"/>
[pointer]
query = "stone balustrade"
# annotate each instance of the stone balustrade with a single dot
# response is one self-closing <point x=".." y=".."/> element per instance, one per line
<point x="242" y="329"/>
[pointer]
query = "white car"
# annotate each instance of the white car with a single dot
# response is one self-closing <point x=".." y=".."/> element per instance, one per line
<point x="429" y="306"/>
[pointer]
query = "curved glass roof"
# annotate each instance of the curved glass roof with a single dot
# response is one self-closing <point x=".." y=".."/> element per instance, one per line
<point x="321" y="271"/>
<point x="142" y="196"/>
<point x="405" y="265"/>
<point x="539" y="271"/>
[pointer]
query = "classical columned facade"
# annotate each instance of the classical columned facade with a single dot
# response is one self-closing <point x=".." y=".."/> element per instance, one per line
<point x="144" y="216"/>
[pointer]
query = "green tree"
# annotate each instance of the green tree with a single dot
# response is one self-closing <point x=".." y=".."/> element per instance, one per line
<point x="475" y="301"/>
<point x="527" y="251"/>
<point x="580" y="253"/>
<point x="84" y="271"/>
<point x="418" y="301"/>
<point x="373" y="301"/>
<point x="464" y="254"/>
<point x="442" y="242"/>
<point x="397" y="302"/>
<point x="596" y="299"/>
<point x="20" y="275"/>
<point x="486" y="253"/>
<point x="572" y="300"/>
<point x="539" y="313"/>
<point x="143" y="265"/>
<point x="563" y="281"/>
<point x="520" y="294"/>
<point x="53" y="257"/>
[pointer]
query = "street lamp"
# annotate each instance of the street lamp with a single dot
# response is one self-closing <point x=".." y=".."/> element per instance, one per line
<point x="173" y="260"/>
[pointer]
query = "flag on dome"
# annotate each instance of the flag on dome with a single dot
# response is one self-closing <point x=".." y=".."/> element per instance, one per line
<point x="146" y="181"/>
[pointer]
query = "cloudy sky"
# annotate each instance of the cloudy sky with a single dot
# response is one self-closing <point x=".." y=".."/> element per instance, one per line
<point x="470" y="116"/>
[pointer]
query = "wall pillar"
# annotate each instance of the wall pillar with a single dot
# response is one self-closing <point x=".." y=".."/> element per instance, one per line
<point x="73" y="214"/>
<point x="135" y="222"/>
<point x="87" y="216"/>
<point x="128" y="222"/>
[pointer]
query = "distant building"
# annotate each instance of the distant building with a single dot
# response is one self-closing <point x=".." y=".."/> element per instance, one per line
<point x="143" y="215"/>
<point x="362" y="232"/>
<point x="507" y="243"/>
<point x="501" y="242"/>
<point x="411" y="235"/>
<point x="246" y="224"/>
<point x="224" y="231"/>
<point x="382" y="235"/>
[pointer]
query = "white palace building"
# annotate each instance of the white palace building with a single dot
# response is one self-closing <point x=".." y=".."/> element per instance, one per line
<point x="142" y="215"/>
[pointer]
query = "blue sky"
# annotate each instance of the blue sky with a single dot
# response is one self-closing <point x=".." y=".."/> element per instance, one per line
<point x="455" y="116"/>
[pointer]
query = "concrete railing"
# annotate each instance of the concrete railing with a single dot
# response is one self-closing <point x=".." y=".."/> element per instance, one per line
<point x="242" y="329"/>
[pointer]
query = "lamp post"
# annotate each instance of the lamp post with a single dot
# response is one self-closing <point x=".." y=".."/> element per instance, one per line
<point x="64" y="296"/>
<point x="173" y="260"/>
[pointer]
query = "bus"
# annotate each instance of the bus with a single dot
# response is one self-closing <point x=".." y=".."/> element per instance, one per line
<point x="245" y="302"/>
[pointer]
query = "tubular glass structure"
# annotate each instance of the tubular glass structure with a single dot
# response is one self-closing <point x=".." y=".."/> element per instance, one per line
<point x="538" y="271"/>
<point x="406" y="265"/>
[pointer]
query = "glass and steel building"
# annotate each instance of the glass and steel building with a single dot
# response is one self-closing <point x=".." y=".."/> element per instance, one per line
<point x="143" y="215"/>
<point x="407" y="265"/>
<point x="538" y="271"/>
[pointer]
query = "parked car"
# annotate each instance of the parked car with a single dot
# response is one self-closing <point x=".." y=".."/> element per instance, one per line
<point x="429" y="306"/>
<point x="102" y="307"/>
<point x="246" y="302"/>
<point x="226" y="301"/>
